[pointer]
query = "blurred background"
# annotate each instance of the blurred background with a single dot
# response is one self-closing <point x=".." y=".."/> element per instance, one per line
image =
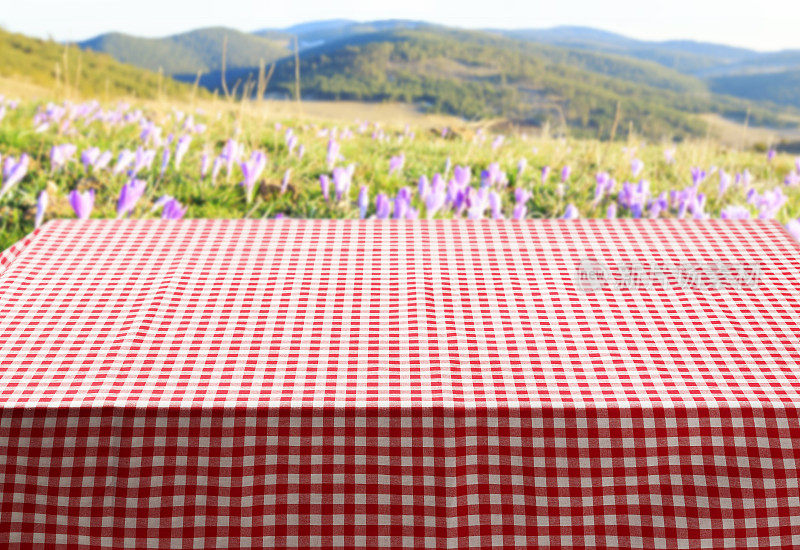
<point x="701" y="94"/>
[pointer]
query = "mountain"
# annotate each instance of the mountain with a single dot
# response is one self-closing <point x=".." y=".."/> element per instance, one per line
<point x="688" y="57"/>
<point x="571" y="74"/>
<point x="199" y="50"/>
<point x="52" y="65"/>
<point x="483" y="75"/>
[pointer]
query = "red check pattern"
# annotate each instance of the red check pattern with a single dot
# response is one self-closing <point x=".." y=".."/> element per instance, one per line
<point x="439" y="384"/>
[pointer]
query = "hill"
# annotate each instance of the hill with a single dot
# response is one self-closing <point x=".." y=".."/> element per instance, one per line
<point x="199" y="50"/>
<point x="480" y="75"/>
<point x="685" y="56"/>
<point x="49" y="64"/>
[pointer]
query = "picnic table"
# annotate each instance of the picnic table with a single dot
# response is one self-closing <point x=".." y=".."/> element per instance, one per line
<point x="447" y="383"/>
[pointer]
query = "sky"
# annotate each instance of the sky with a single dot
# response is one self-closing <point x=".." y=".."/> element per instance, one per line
<point x="758" y="24"/>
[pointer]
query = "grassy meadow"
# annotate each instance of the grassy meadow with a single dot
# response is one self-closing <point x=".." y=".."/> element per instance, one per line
<point x="217" y="159"/>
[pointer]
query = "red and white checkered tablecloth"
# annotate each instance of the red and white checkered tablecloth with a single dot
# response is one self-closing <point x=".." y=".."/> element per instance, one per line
<point x="445" y="384"/>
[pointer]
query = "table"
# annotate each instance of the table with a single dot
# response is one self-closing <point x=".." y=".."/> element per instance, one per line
<point x="288" y="383"/>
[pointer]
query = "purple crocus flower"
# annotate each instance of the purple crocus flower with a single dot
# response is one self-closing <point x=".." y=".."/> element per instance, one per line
<point x="768" y="203"/>
<point x="462" y="175"/>
<point x="216" y="168"/>
<point x="669" y="155"/>
<point x="797" y="165"/>
<point x="636" y="167"/>
<point x="363" y="201"/>
<point x="82" y="203"/>
<point x="698" y="176"/>
<point x="124" y="160"/>
<point x="231" y="153"/>
<point x="521" y="196"/>
<point x="103" y="161"/>
<point x="402" y="203"/>
<point x="173" y="210"/>
<point x="396" y="163"/>
<point x="41" y="207"/>
<point x="89" y="157"/>
<point x="521" y="166"/>
<point x="493" y="175"/>
<point x="325" y="186"/>
<point x="165" y="154"/>
<point x="498" y="142"/>
<point x="724" y="182"/>
<point x="251" y="170"/>
<point x="129" y="195"/>
<point x="634" y="197"/>
<point x="565" y="173"/>
<point x="792" y="179"/>
<point x="205" y="164"/>
<point x="496" y="205"/>
<point x="571" y="213"/>
<point x="448" y="164"/>
<point x="735" y="212"/>
<point x="477" y="202"/>
<point x="342" y="180"/>
<point x="61" y="154"/>
<point x="13" y="172"/>
<point x="181" y="148"/>
<point x="437" y="197"/>
<point x="285" y="181"/>
<point x="793" y="227"/>
<point x="771" y="155"/>
<point x="423" y="186"/>
<point x="611" y="211"/>
<point x="545" y="173"/>
<point x="520" y="211"/>
<point x="659" y="205"/>
<point x="604" y="185"/>
<point x="333" y="153"/>
<point x="144" y="159"/>
<point x="383" y="206"/>
<point x="160" y="202"/>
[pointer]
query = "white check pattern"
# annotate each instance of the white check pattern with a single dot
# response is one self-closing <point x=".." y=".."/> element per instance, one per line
<point x="415" y="384"/>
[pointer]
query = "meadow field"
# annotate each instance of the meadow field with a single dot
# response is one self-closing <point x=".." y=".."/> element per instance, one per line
<point x="216" y="159"/>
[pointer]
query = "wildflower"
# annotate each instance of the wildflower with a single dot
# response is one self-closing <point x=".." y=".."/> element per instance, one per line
<point x="61" y="154"/>
<point x="41" y="207"/>
<point x="565" y="173"/>
<point x="383" y="206"/>
<point x="89" y="157"/>
<point x="435" y="200"/>
<point x="342" y="180"/>
<point x="333" y="153"/>
<point x="173" y="210"/>
<point x="363" y="202"/>
<point x="285" y="181"/>
<point x="571" y="213"/>
<point x="181" y="148"/>
<point x="735" y="212"/>
<point x="82" y="203"/>
<point x="325" y="186"/>
<point x="724" y="182"/>
<point x="545" y="173"/>
<point x="496" y="205"/>
<point x="251" y="170"/>
<point x="669" y="155"/>
<point x="13" y="172"/>
<point x="793" y="227"/>
<point x="396" y="163"/>
<point x="124" y="160"/>
<point x="129" y="195"/>
<point x="636" y="167"/>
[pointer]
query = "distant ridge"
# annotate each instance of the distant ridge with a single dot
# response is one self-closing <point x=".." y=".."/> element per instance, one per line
<point x="583" y="71"/>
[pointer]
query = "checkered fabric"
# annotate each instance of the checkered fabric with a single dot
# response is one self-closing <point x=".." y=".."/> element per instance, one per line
<point x="442" y="384"/>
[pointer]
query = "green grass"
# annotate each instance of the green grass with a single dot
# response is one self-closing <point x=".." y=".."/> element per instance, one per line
<point x="425" y="154"/>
